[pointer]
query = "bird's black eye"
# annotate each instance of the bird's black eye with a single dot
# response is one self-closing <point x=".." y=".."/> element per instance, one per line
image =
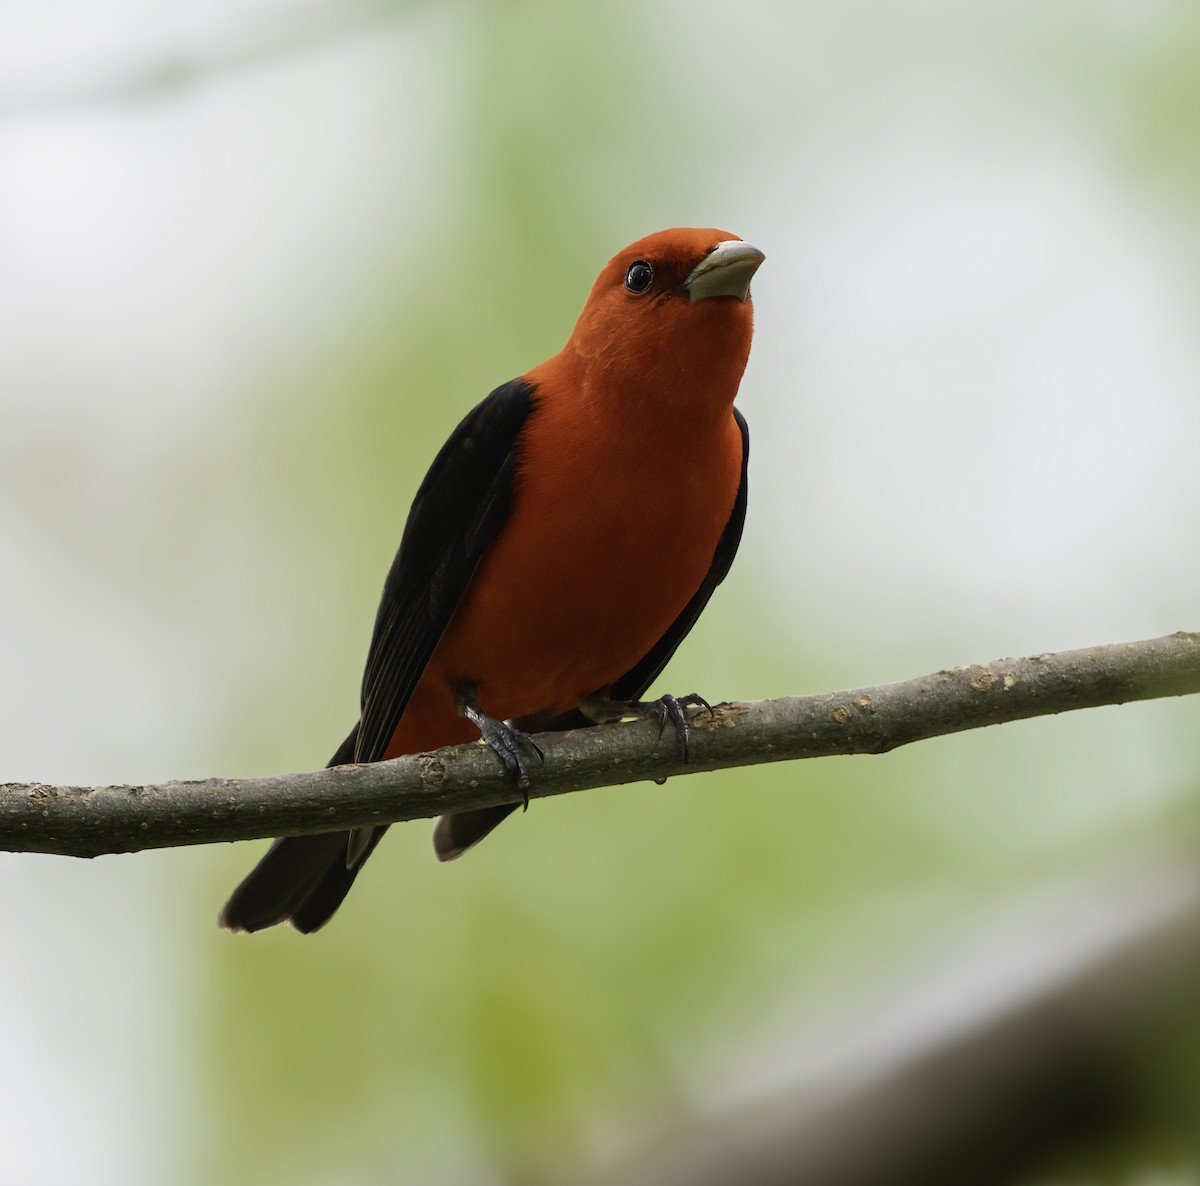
<point x="639" y="277"/>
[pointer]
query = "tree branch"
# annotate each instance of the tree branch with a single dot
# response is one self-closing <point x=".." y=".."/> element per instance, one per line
<point x="1039" y="1034"/>
<point x="90" y="821"/>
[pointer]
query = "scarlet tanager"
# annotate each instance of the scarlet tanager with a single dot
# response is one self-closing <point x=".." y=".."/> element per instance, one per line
<point x="562" y="544"/>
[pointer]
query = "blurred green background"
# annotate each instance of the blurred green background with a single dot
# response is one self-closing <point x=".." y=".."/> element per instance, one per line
<point x="256" y="260"/>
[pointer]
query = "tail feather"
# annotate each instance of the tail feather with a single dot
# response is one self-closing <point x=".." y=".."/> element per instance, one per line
<point x="454" y="834"/>
<point x="331" y="887"/>
<point x="301" y="879"/>
<point x="283" y="881"/>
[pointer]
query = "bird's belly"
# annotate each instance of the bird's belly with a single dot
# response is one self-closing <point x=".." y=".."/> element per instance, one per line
<point x="572" y="597"/>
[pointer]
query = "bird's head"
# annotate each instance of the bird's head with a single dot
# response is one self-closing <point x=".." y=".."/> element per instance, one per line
<point x="670" y="316"/>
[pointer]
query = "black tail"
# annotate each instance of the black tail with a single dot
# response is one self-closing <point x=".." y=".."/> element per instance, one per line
<point x="302" y="879"/>
<point x="454" y="834"/>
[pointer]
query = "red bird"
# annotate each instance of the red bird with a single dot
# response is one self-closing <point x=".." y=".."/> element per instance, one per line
<point x="563" y="543"/>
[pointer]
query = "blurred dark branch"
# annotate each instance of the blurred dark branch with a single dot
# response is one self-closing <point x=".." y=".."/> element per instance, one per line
<point x="89" y="821"/>
<point x="249" y="46"/>
<point x="1020" y="1044"/>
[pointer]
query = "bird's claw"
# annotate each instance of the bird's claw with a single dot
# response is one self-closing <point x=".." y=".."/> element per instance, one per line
<point x="602" y="709"/>
<point x="671" y="708"/>
<point x="506" y="743"/>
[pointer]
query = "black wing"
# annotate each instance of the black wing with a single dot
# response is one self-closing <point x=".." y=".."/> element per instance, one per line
<point x="458" y="511"/>
<point x="634" y="682"/>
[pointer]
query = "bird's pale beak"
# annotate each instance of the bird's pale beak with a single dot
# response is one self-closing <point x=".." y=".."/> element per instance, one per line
<point x="725" y="271"/>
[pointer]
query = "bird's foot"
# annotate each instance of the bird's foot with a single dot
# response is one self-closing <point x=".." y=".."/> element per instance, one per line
<point x="670" y="708"/>
<point x="504" y="741"/>
<point x="602" y="709"/>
